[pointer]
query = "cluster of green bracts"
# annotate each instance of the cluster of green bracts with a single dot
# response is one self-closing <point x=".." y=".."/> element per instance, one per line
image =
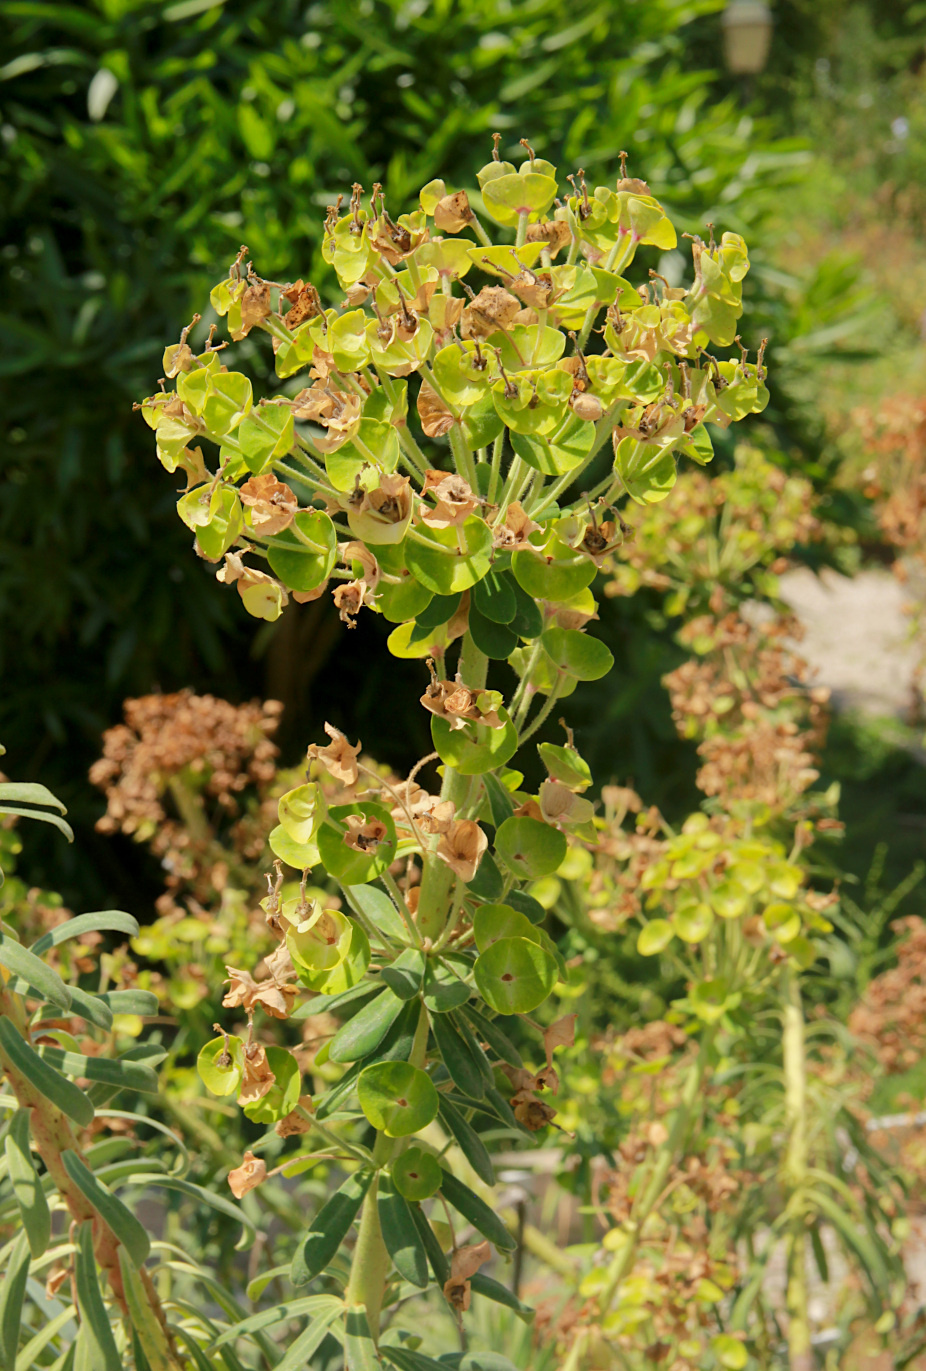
<point x="489" y="528"/>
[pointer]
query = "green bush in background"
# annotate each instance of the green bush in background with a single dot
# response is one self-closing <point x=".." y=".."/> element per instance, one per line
<point x="143" y="143"/>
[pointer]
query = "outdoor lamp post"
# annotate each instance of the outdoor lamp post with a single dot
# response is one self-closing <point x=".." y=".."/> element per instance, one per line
<point x="747" y="33"/>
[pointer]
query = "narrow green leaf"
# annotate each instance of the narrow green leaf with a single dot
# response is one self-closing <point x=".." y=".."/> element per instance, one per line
<point x="492" y="1289"/>
<point x="12" y="1294"/>
<point x="93" y="1008"/>
<point x="468" y="1140"/>
<point x="141" y="1002"/>
<point x="406" y="973"/>
<point x="400" y="1234"/>
<point x="365" y="1031"/>
<point x="375" y="905"/>
<point x="436" y="1257"/>
<point x="104" y="921"/>
<point x="130" y="1232"/>
<point x="27" y="1187"/>
<point x="30" y="793"/>
<point x="41" y="814"/>
<point x="319" y="1003"/>
<point x="28" y="1358"/>
<point x="126" y="1075"/>
<point x="500" y="802"/>
<point x="96" y="1346"/>
<point x="475" y="1049"/>
<point x="461" y="1066"/>
<point x="83" y="1005"/>
<point x="23" y="963"/>
<point x="477" y="1212"/>
<point x="312" y="1305"/>
<point x="49" y="1082"/>
<point x="145" y="1324"/>
<point x="202" y="1196"/>
<point x="330" y="1227"/>
<point x="359" y="1348"/>
<point x="395" y="1047"/>
<point x="407" y="1360"/>
<point x="498" y="1040"/>
<point x="308" y="1342"/>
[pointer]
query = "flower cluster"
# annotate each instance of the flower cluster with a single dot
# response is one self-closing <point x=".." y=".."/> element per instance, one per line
<point x="745" y="697"/>
<point x="403" y="906"/>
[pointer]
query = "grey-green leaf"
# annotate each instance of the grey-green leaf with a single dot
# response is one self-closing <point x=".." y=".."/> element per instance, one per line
<point x="12" y="1293"/>
<point x="41" y="814"/>
<point x="127" y="1075"/>
<point x="366" y="1030"/>
<point x="308" y="1342"/>
<point x="69" y="1098"/>
<point x="330" y="1227"/>
<point x="400" y="1234"/>
<point x="130" y="1232"/>
<point x="96" y="1346"/>
<point x="104" y="921"/>
<point x="27" y="1187"/>
<point x="477" y="1212"/>
<point x="492" y="1289"/>
<point x="468" y="1140"/>
<point x="312" y="1305"/>
<point x="359" y="1348"/>
<point x="23" y="963"/>
<point x="461" y="1066"/>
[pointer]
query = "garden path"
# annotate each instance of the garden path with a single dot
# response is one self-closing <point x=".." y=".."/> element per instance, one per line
<point x="860" y="639"/>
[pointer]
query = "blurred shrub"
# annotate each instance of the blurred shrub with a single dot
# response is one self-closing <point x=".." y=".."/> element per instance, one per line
<point x="143" y="143"/>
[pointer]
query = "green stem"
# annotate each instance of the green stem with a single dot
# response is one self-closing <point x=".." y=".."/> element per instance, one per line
<point x="516" y="476"/>
<point x="480" y="233"/>
<point x="521" y="238"/>
<point x="389" y="882"/>
<point x="190" y="808"/>
<point x="612" y="264"/>
<point x="371" y="1263"/>
<point x="520" y="701"/>
<point x="436" y="876"/>
<point x="462" y="457"/>
<point x="800" y="1354"/>
<point x="497" y="449"/>
<point x="622" y="1263"/>
<point x="542" y="717"/>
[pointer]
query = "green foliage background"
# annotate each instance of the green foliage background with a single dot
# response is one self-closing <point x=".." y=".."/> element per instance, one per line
<point x="142" y="142"/>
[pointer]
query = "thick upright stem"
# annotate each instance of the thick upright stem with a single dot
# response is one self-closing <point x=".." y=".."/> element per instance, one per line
<point x="371" y="1263"/>
<point x="670" y="1150"/>
<point x="800" y="1354"/>
<point x="436" y="877"/>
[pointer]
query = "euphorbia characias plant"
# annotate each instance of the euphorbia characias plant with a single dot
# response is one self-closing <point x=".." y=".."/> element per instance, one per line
<point x="529" y="361"/>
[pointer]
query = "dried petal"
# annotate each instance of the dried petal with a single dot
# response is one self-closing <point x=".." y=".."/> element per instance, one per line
<point x="515" y="532"/>
<point x="339" y="758"/>
<point x="556" y="234"/>
<point x="436" y="418"/>
<point x="271" y="502"/>
<point x="257" y="1079"/>
<point x="493" y="309"/>
<point x="363" y="834"/>
<point x="349" y="599"/>
<point x="462" y="846"/>
<point x="248" y="1175"/>
<point x="296" y="1122"/>
<point x="255" y="306"/>
<point x="562" y="1033"/>
<point x="304" y="303"/>
<point x="452" y="213"/>
<point x="464" y="1263"/>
